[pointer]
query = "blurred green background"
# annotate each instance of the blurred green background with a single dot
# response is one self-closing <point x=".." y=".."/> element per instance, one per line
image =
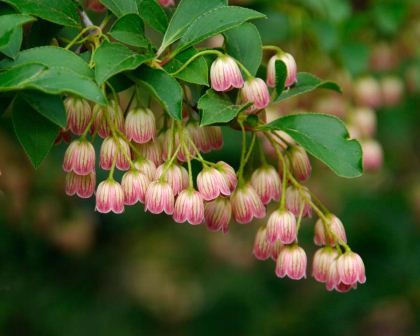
<point x="66" y="270"/>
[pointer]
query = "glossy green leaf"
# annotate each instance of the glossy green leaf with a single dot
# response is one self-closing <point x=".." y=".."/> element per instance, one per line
<point x="62" y="12"/>
<point x="51" y="57"/>
<point x="214" y="22"/>
<point x="153" y="14"/>
<point x="307" y="82"/>
<point x="113" y="58"/>
<point x="35" y="133"/>
<point x="218" y="108"/>
<point x="164" y="87"/>
<point x="186" y="12"/>
<point x="244" y="44"/>
<point x="53" y="80"/>
<point x="197" y="72"/>
<point x="129" y="29"/>
<point x="49" y="106"/>
<point x="8" y="24"/>
<point x="12" y="48"/>
<point x="6" y="99"/>
<point x="281" y="76"/>
<point x="326" y="138"/>
<point x="120" y="7"/>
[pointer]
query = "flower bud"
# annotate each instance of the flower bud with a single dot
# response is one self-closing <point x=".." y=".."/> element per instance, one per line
<point x="80" y="185"/>
<point x="199" y="136"/>
<point x="146" y="167"/>
<point x="255" y="91"/>
<point x="159" y="198"/>
<point x="246" y="204"/>
<point x="363" y="119"/>
<point x="110" y="197"/>
<point x="167" y="3"/>
<point x="80" y="158"/>
<point x="344" y="273"/>
<point x="111" y="113"/>
<point x="335" y="226"/>
<point x="225" y="74"/>
<point x="323" y="258"/>
<point x="367" y="92"/>
<point x="173" y="175"/>
<point x="300" y="163"/>
<point x="189" y="206"/>
<point x="134" y="185"/>
<point x="229" y="174"/>
<point x="211" y="184"/>
<point x="115" y="149"/>
<point x="291" y="262"/>
<point x="151" y="151"/>
<point x="291" y="67"/>
<point x="372" y="155"/>
<point x="267" y="184"/>
<point x="297" y="201"/>
<point x="392" y="90"/>
<point x="217" y="214"/>
<point x="79" y="114"/>
<point x="140" y="125"/>
<point x="281" y="227"/>
<point x="214" y="136"/>
<point x="262" y="249"/>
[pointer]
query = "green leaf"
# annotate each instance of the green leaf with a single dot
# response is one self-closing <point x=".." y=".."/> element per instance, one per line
<point x="120" y="7"/>
<point x="214" y="22"/>
<point x="49" y="106"/>
<point x="5" y="101"/>
<point x="165" y="88"/>
<point x="186" y="12"/>
<point x="326" y="138"/>
<point x="50" y="56"/>
<point x="218" y="108"/>
<point x="53" y="80"/>
<point x="114" y="58"/>
<point x="8" y="24"/>
<point x="129" y="29"/>
<point x="197" y="72"/>
<point x="62" y="12"/>
<point x="12" y="48"/>
<point x="307" y="82"/>
<point x="153" y="14"/>
<point x="35" y="133"/>
<point x="244" y="44"/>
<point x="281" y="76"/>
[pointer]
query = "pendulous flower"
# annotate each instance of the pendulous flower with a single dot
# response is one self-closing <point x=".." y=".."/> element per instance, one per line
<point x="110" y="197"/>
<point x="159" y="198"/>
<point x="140" y="125"/>
<point x="189" y="206"/>
<point x="217" y="214"/>
<point x="78" y="114"/>
<point x="291" y="262"/>
<point x="291" y="67"/>
<point x="281" y="227"/>
<point x="225" y="74"/>
<point x="266" y="182"/>
<point x="79" y="158"/>
<point x="335" y="226"/>
<point x="134" y="184"/>
<point x="211" y="184"/>
<point x="255" y="91"/>
<point x="246" y="204"/>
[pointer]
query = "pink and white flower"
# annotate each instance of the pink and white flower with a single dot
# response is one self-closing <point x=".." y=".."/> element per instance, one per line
<point x="167" y="3"/>
<point x="79" y="114"/>
<point x="225" y="74"/>
<point x="300" y="163"/>
<point x="134" y="185"/>
<point x="217" y="214"/>
<point x="80" y="185"/>
<point x="173" y="175"/>
<point x="151" y="151"/>
<point x="291" y="67"/>
<point x="214" y="136"/>
<point x="291" y="262"/>
<point x="140" y="125"/>
<point x="345" y="272"/>
<point x="110" y="197"/>
<point x="373" y="156"/>
<point x="246" y="204"/>
<point x="229" y="174"/>
<point x="297" y="201"/>
<point x="367" y="92"/>
<point x="114" y="150"/>
<point x="159" y="198"/>
<point x="262" y="249"/>
<point x="211" y="184"/>
<point x="199" y="136"/>
<point x="323" y="258"/>
<point x="147" y="167"/>
<point x="189" y="206"/>
<point x="108" y="117"/>
<point x="80" y="158"/>
<point x="255" y="91"/>
<point x="266" y="182"/>
<point x="281" y="227"/>
<point x="335" y="226"/>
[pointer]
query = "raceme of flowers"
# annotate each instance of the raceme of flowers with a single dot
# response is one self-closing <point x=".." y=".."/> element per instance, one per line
<point x="155" y="152"/>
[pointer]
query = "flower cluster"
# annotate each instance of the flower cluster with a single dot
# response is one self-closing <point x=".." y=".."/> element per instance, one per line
<point x="154" y="154"/>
